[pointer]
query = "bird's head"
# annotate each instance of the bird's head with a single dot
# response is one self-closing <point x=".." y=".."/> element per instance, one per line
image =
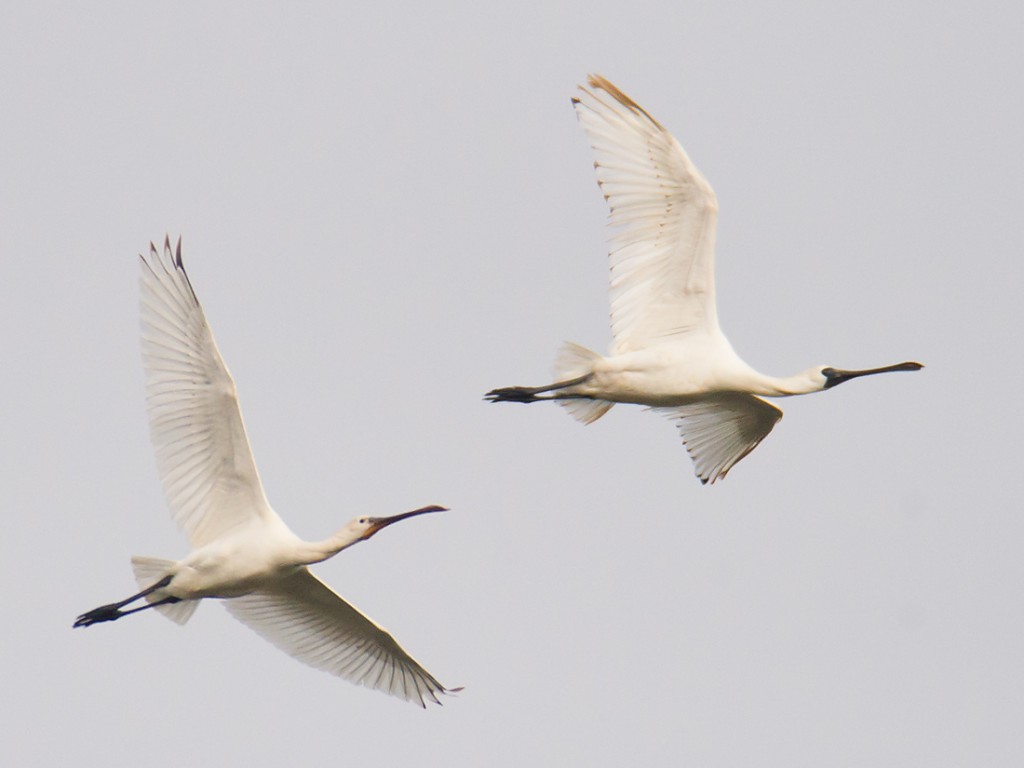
<point x="829" y="377"/>
<point x="364" y="527"/>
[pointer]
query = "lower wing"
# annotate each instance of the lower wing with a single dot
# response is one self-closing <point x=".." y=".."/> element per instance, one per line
<point x="721" y="430"/>
<point x="309" y="621"/>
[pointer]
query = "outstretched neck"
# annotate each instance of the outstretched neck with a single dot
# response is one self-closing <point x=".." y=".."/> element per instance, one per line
<point x="802" y="383"/>
<point x="318" y="551"/>
<point x="359" y="529"/>
<point x="819" y="378"/>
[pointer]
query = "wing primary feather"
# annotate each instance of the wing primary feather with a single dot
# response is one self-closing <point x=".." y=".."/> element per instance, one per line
<point x="203" y="454"/>
<point x="596" y="81"/>
<point x="720" y="431"/>
<point x="663" y="215"/>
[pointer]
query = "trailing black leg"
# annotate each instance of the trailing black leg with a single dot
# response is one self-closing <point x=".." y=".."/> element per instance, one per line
<point x="112" y="611"/>
<point x="530" y="394"/>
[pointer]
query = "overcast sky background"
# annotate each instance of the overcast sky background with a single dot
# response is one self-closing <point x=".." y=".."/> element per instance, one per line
<point x="388" y="211"/>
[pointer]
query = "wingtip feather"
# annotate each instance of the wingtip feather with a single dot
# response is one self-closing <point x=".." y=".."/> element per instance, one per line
<point x="602" y="83"/>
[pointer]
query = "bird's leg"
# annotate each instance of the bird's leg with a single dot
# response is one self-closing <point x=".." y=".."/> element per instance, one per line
<point x="113" y="611"/>
<point x="165" y="601"/>
<point x="530" y="394"/>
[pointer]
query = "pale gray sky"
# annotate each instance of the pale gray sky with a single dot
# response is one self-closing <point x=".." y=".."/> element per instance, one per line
<point x="389" y="211"/>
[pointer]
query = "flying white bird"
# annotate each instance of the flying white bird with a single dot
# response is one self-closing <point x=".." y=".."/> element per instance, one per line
<point x="667" y="350"/>
<point x="242" y="550"/>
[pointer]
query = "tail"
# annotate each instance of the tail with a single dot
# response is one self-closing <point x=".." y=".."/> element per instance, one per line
<point x="573" y="366"/>
<point x="574" y="362"/>
<point x="148" y="571"/>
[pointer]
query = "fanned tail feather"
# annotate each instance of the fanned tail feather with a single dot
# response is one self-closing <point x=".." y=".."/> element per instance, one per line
<point x="148" y="571"/>
<point x="573" y="361"/>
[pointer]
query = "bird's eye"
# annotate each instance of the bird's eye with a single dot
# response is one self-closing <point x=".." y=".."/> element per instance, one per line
<point x="362" y="521"/>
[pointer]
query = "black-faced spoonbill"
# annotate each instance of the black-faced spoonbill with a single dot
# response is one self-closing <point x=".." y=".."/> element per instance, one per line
<point x="667" y="350"/>
<point x="241" y="550"/>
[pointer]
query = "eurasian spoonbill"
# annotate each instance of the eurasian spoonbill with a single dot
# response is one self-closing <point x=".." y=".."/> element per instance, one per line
<point x="242" y="550"/>
<point x="667" y="350"/>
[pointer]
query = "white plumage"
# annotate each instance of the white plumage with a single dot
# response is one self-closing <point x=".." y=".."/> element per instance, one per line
<point x="667" y="350"/>
<point x="241" y="549"/>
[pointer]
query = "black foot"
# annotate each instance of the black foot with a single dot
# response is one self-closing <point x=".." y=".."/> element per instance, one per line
<point x="96" y="615"/>
<point x="513" y="395"/>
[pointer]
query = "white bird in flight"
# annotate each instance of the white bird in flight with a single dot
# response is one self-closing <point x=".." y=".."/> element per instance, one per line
<point x="667" y="350"/>
<point x="242" y="550"/>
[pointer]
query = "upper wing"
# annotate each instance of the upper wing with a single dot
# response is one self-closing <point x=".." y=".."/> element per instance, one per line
<point x="721" y="430"/>
<point x="662" y="258"/>
<point x="202" y="451"/>
<point x="307" y="620"/>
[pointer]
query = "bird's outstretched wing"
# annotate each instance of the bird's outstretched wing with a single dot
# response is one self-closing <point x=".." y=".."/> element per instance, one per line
<point x="307" y="620"/>
<point x="202" y="451"/>
<point x="665" y="214"/>
<point x="721" y="430"/>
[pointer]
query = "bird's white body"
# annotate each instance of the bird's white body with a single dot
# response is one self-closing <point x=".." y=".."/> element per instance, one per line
<point x="236" y="564"/>
<point x="668" y="375"/>
<point x="667" y="349"/>
<point x="242" y="551"/>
